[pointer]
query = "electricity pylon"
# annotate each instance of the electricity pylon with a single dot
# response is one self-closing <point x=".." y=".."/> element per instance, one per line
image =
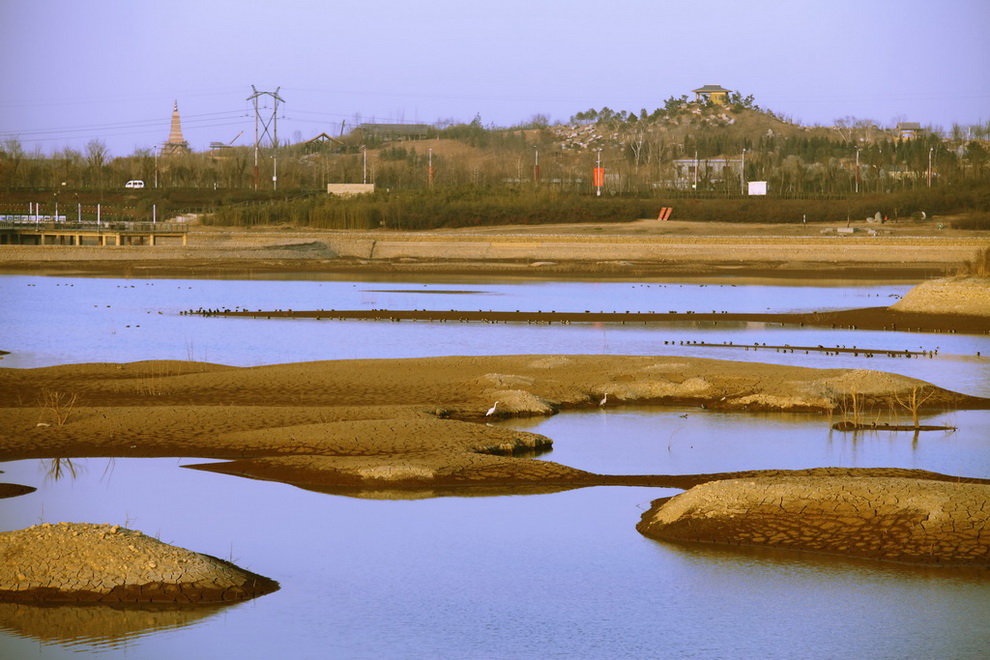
<point x="269" y="130"/>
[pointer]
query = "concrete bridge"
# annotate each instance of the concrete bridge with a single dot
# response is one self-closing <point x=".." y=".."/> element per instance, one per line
<point x="45" y="231"/>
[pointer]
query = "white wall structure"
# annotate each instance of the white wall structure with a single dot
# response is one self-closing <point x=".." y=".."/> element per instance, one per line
<point x="349" y="189"/>
<point x="757" y="187"/>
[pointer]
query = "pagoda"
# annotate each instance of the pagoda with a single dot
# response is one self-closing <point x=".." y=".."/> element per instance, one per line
<point x="175" y="144"/>
<point x="712" y="94"/>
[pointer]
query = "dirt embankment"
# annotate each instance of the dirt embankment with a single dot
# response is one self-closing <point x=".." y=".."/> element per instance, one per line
<point x="641" y="248"/>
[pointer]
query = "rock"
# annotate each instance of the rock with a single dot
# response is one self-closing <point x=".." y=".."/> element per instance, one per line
<point x="73" y="562"/>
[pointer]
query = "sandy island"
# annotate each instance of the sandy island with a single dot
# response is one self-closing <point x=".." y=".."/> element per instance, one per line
<point x="82" y="563"/>
<point x="413" y="427"/>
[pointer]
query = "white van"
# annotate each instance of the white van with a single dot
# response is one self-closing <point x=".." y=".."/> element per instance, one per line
<point x="134" y="183"/>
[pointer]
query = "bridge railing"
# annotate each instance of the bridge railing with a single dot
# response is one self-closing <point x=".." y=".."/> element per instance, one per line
<point x="47" y="223"/>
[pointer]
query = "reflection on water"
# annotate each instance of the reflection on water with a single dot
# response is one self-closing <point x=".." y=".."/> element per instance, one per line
<point x="56" y="468"/>
<point x="89" y="626"/>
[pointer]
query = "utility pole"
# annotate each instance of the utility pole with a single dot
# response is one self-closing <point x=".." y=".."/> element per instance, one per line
<point x="269" y="130"/>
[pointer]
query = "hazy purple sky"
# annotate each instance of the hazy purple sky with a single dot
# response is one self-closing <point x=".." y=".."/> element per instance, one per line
<point x="75" y="70"/>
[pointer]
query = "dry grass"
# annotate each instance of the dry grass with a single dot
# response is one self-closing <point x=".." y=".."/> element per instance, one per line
<point x="57" y="404"/>
<point x="979" y="266"/>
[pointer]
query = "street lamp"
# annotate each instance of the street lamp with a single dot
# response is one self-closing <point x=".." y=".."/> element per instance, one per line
<point x="857" y="169"/>
<point x="742" y="174"/>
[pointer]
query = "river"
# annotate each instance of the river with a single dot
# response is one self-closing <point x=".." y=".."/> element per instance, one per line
<point x="562" y="575"/>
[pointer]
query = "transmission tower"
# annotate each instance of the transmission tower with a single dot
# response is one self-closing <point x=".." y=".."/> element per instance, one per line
<point x="269" y="130"/>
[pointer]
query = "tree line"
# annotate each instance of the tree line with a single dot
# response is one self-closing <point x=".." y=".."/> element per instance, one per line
<point x="682" y="149"/>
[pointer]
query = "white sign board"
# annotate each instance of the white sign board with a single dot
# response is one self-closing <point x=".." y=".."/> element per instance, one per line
<point x="757" y="187"/>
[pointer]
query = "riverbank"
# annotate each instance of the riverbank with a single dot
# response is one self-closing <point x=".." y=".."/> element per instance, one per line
<point x="646" y="248"/>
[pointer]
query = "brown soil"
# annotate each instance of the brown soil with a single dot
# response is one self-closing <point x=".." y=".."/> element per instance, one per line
<point x="890" y="519"/>
<point x="643" y="248"/>
<point x="78" y="562"/>
<point x="409" y="423"/>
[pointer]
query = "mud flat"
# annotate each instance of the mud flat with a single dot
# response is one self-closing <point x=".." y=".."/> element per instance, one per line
<point x="402" y="422"/>
<point x="77" y="562"/>
<point x="406" y="428"/>
<point x="887" y="519"/>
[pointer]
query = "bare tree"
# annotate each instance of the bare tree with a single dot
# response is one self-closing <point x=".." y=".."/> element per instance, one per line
<point x="11" y="155"/>
<point x="914" y="402"/>
<point x="97" y="156"/>
<point x="69" y="160"/>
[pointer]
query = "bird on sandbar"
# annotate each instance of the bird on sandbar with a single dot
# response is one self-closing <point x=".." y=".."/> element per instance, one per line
<point x="491" y="411"/>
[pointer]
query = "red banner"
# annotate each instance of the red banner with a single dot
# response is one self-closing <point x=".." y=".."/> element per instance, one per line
<point x="599" y="177"/>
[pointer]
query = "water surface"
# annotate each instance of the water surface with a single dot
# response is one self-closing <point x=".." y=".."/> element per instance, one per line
<point x="563" y="575"/>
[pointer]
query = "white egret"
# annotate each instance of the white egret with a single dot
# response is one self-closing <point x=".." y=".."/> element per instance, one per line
<point x="601" y="404"/>
<point x="491" y="411"/>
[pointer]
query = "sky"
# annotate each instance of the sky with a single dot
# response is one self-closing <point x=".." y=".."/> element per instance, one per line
<point x="72" y="71"/>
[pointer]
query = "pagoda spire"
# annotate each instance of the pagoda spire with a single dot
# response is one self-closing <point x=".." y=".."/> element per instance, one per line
<point x="175" y="144"/>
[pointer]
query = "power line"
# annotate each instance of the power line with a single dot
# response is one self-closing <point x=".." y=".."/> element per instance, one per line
<point x="124" y="125"/>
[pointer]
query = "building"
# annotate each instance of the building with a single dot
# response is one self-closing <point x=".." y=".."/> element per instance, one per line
<point x="702" y="173"/>
<point x="387" y="132"/>
<point x="908" y="130"/>
<point x="712" y="94"/>
<point x="322" y="143"/>
<point x="176" y="144"/>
